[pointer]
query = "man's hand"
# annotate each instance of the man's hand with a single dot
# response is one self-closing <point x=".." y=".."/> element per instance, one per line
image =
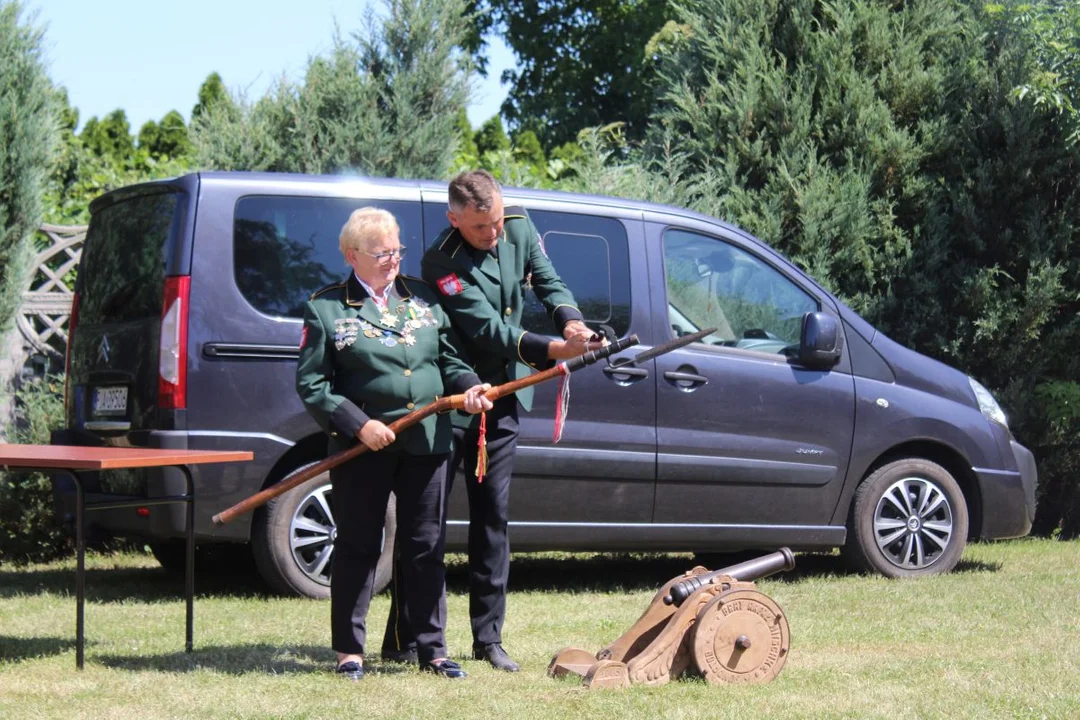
<point x="376" y="435"/>
<point x="569" y="349"/>
<point x="475" y="401"/>
<point x="578" y="329"/>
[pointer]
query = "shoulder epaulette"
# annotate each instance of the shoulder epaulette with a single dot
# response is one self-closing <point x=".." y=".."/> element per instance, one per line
<point x="328" y="288"/>
<point x="452" y="242"/>
<point x="514" y="211"/>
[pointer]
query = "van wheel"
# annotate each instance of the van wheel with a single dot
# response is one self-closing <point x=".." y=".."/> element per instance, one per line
<point x="908" y="519"/>
<point x="293" y="540"/>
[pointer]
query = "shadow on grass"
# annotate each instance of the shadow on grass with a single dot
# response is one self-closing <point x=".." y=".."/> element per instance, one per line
<point x="557" y="572"/>
<point x="620" y="572"/>
<point x="15" y="649"/>
<point x="259" y="658"/>
<point x="635" y="572"/>
<point x="113" y="584"/>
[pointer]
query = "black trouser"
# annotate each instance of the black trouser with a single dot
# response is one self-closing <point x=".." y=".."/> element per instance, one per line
<point x="360" y="491"/>
<point x="489" y="543"/>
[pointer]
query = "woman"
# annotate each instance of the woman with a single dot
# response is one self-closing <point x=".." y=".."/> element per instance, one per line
<point x="374" y="348"/>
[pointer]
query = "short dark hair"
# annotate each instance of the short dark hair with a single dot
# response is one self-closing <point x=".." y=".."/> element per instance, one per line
<point x="475" y="188"/>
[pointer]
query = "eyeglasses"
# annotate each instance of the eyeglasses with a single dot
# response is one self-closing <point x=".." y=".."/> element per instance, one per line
<point x="385" y="257"/>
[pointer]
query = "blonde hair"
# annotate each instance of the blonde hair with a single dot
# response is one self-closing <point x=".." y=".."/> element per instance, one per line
<point x="365" y="227"/>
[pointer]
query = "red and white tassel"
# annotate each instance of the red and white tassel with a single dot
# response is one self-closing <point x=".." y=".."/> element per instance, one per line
<point x="562" y="406"/>
<point x="481" y="449"/>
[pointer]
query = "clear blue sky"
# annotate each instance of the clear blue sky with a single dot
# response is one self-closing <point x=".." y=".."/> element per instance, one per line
<point x="148" y="58"/>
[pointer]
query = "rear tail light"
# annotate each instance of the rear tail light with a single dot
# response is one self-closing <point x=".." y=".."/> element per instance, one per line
<point x="172" y="355"/>
<point x="73" y="320"/>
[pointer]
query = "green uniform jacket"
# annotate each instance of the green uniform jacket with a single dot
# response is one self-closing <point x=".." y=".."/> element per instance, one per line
<point x="484" y="297"/>
<point x="357" y="363"/>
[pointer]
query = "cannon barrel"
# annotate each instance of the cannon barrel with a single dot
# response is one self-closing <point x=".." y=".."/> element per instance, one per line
<point x="780" y="561"/>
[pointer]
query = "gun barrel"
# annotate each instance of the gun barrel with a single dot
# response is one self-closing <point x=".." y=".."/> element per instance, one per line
<point x="780" y="561"/>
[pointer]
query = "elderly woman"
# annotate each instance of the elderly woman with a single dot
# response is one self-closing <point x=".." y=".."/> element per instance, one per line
<point x="373" y="348"/>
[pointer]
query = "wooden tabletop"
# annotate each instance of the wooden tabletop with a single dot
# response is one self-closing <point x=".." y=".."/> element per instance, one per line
<point x="73" y="457"/>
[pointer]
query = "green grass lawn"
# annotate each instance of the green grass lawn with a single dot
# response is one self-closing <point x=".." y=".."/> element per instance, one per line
<point x="1000" y="637"/>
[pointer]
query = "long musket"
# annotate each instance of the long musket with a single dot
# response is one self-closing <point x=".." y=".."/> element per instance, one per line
<point x="443" y="404"/>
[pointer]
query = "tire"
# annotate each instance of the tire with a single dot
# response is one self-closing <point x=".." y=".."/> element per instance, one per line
<point x="305" y="513"/>
<point x="908" y="519"/>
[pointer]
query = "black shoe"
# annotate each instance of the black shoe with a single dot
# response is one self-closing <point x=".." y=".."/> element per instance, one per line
<point x="495" y="655"/>
<point x="405" y="657"/>
<point x="446" y="668"/>
<point x="351" y="670"/>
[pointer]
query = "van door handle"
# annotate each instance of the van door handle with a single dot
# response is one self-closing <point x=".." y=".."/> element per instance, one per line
<point x="625" y="372"/>
<point x="685" y="380"/>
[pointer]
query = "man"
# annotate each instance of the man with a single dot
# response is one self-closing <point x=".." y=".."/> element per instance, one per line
<point x="479" y="267"/>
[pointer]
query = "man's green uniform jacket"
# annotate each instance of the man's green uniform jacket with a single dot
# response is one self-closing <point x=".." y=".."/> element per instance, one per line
<point x="483" y="292"/>
<point x="358" y="363"/>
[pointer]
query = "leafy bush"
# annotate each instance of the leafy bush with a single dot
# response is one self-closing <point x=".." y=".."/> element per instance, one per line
<point x="28" y="530"/>
<point x="1058" y="456"/>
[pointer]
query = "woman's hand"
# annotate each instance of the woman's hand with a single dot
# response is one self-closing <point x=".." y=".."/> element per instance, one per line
<point x="376" y="435"/>
<point x="475" y="401"/>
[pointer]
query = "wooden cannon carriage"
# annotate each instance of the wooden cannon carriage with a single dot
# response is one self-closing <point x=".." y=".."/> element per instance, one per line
<point x="714" y="624"/>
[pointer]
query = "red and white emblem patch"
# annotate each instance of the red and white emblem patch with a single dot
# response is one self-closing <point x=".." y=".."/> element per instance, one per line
<point x="450" y="285"/>
<point x="303" y="337"/>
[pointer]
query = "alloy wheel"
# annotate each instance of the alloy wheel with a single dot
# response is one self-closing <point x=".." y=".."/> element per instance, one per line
<point x="913" y="523"/>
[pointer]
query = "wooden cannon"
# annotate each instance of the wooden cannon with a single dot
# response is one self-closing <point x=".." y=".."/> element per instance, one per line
<point x="714" y="624"/>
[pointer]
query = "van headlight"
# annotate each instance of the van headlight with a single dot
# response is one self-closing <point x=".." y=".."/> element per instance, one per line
<point x="987" y="404"/>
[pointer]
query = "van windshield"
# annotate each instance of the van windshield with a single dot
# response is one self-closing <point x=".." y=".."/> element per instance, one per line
<point x="122" y="270"/>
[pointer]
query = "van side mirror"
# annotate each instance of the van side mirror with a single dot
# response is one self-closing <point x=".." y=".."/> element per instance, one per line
<point x="820" y="342"/>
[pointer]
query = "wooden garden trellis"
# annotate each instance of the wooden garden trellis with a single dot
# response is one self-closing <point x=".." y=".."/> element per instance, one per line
<point x="46" y="300"/>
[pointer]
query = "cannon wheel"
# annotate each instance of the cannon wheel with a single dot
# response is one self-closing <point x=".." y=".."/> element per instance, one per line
<point x="740" y="636"/>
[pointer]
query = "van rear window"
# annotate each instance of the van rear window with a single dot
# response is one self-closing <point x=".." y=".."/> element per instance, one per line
<point x="286" y="248"/>
<point x="122" y="270"/>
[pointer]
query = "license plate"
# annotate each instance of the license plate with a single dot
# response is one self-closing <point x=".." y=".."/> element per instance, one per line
<point x="110" y="400"/>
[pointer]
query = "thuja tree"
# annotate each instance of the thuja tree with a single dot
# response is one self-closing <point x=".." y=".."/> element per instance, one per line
<point x="880" y="145"/>
<point x="384" y="102"/>
<point x="28" y="130"/>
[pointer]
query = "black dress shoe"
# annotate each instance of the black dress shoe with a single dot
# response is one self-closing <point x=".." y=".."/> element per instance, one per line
<point x="351" y="670"/>
<point x="406" y="657"/>
<point x="446" y="668"/>
<point x="495" y="655"/>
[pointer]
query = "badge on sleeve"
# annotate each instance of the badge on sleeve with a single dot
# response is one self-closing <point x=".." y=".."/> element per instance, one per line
<point x="303" y="337"/>
<point x="450" y="285"/>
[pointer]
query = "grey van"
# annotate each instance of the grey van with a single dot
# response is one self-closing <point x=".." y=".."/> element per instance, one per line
<point x="795" y="423"/>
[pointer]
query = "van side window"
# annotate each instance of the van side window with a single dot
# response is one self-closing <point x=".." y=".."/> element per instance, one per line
<point x="285" y="248"/>
<point x="711" y="283"/>
<point x="592" y="257"/>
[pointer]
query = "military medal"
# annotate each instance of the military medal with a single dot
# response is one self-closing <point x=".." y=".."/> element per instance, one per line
<point x="345" y="331"/>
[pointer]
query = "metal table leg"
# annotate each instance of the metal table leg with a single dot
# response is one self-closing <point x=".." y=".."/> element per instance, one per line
<point x="80" y="567"/>
<point x="80" y="541"/>
<point x="189" y="569"/>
